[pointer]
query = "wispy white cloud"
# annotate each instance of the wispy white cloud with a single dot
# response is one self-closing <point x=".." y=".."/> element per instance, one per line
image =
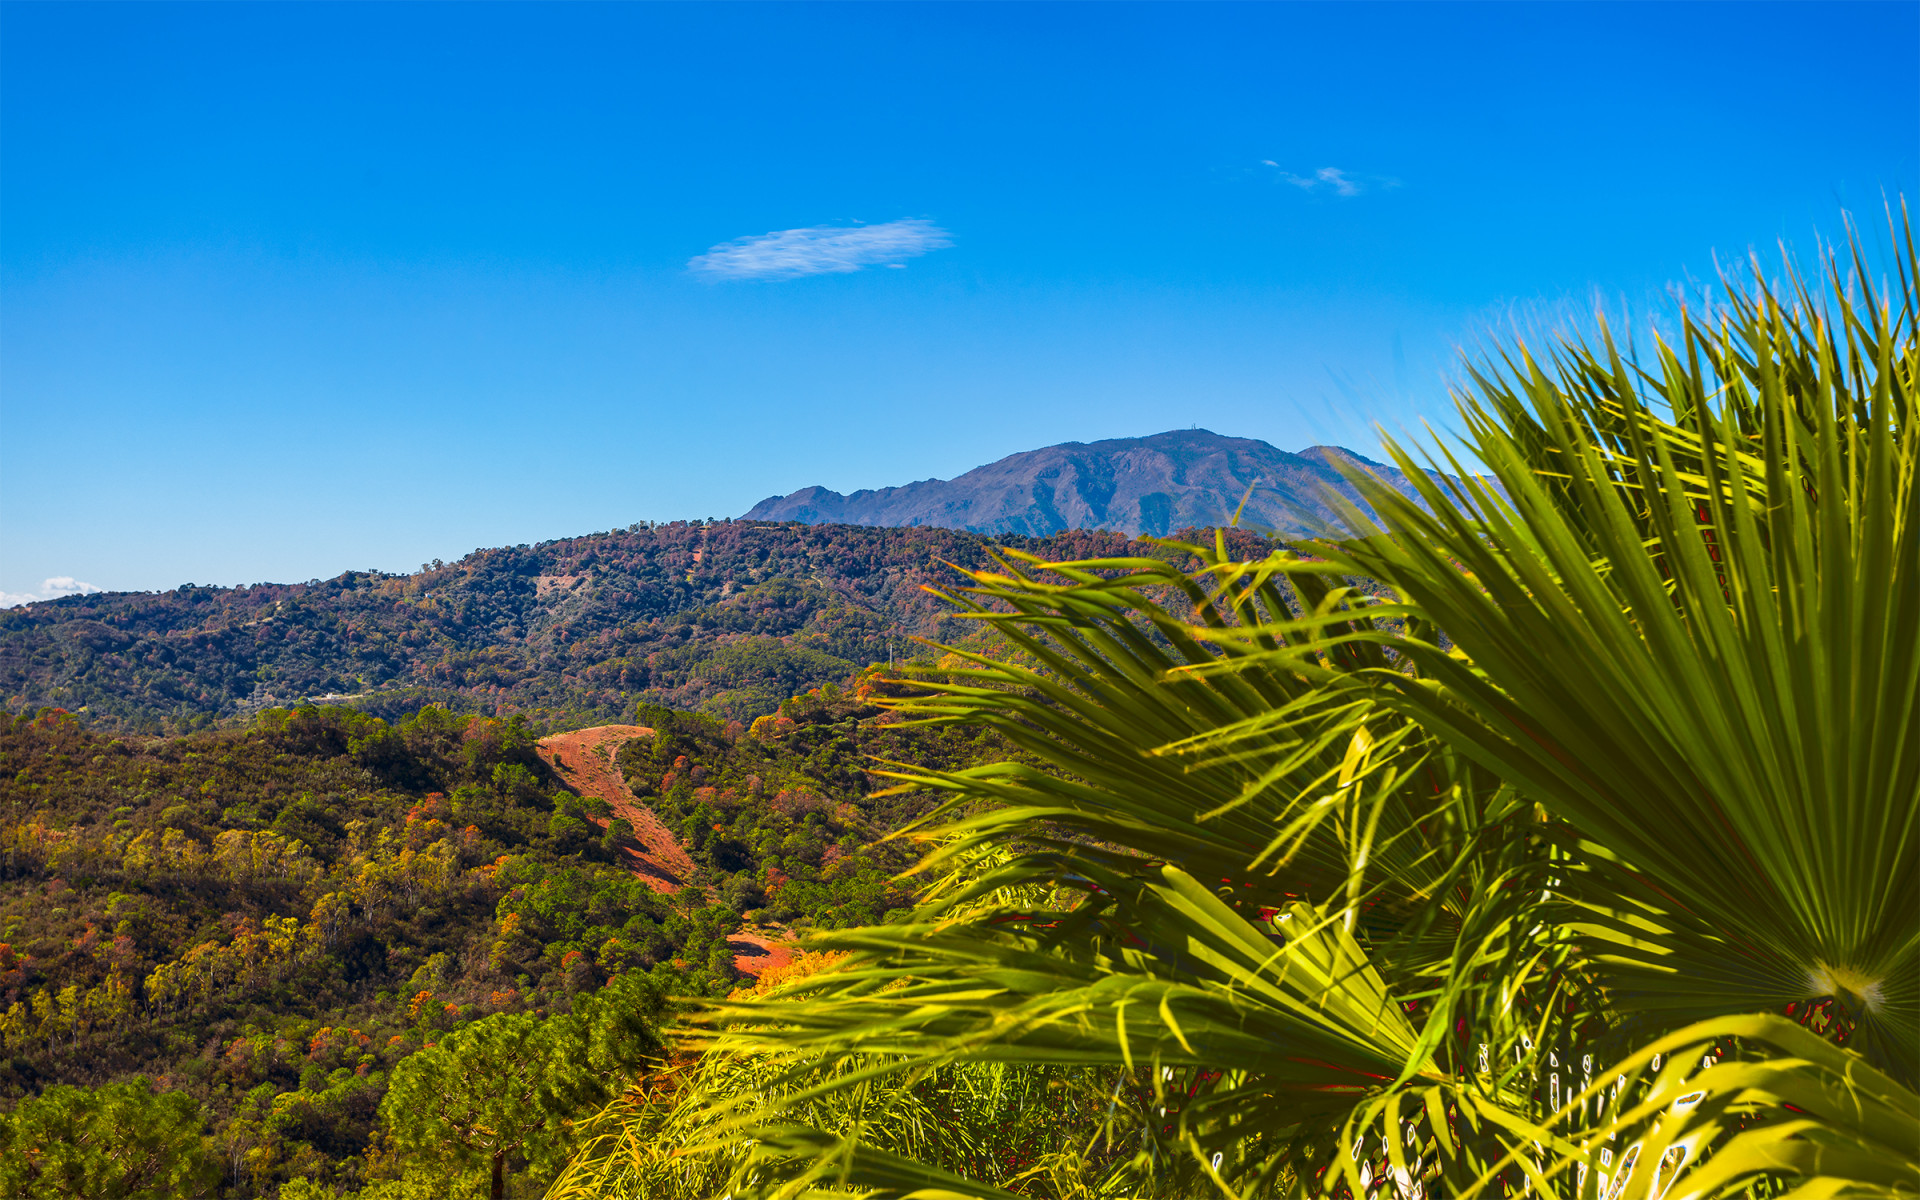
<point x="820" y="250"/>
<point x="50" y="589"/>
<point x="1333" y="179"/>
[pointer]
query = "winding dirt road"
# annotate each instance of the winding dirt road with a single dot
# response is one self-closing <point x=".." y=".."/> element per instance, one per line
<point x="585" y="760"/>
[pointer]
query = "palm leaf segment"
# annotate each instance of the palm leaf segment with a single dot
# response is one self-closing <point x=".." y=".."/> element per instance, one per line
<point x="1696" y="639"/>
<point x="1208" y="927"/>
<point x="1687" y="623"/>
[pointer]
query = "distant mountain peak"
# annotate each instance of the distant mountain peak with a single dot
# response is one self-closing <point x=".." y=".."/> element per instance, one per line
<point x="1155" y="485"/>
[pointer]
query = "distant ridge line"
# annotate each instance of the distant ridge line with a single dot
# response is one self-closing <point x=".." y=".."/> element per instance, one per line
<point x="1152" y="486"/>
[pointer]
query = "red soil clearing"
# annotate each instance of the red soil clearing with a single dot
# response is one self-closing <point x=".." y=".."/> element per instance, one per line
<point x="754" y="953"/>
<point x="584" y="759"/>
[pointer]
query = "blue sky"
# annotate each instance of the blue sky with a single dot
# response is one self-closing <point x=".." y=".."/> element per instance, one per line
<point x="288" y="290"/>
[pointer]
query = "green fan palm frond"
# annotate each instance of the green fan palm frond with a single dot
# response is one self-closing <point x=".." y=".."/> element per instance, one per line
<point x="1255" y="1044"/>
<point x="677" y="1136"/>
<point x="1686" y="1118"/>
<point x="1110" y="689"/>
<point x="1063" y="936"/>
<point x="1699" y="644"/>
<point x="1109" y="907"/>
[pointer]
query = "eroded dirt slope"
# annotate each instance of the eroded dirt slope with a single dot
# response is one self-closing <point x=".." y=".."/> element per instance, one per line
<point x="585" y="759"/>
<point x="755" y="951"/>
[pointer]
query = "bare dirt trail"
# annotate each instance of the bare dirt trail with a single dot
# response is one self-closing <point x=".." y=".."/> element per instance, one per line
<point x="585" y="760"/>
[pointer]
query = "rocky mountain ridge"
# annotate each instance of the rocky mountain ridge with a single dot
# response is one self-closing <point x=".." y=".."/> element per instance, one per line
<point x="1147" y="485"/>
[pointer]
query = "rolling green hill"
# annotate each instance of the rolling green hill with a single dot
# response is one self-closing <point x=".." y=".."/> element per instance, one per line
<point x="727" y="618"/>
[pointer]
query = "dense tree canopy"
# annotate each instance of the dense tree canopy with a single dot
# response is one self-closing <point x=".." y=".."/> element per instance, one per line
<point x="119" y="1142"/>
<point x="500" y="1093"/>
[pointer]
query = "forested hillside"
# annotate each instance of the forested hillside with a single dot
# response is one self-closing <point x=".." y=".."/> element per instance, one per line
<point x="266" y="922"/>
<point x="269" y="944"/>
<point x="727" y="618"/>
